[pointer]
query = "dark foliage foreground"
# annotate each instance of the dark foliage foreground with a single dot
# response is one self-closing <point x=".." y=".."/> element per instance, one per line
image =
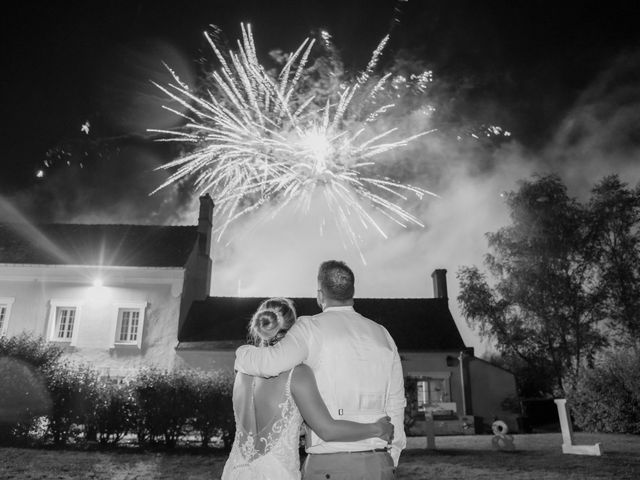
<point x="47" y="400"/>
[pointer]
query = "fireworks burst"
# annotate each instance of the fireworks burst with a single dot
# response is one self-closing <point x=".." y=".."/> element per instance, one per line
<point x="262" y="138"/>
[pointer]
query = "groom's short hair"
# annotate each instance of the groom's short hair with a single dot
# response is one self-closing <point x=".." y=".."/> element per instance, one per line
<point x="336" y="280"/>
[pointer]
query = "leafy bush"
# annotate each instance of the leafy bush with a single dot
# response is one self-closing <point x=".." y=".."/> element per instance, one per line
<point x="74" y="395"/>
<point x="411" y="395"/>
<point x="43" y="397"/>
<point x="213" y="407"/>
<point x="607" y="397"/>
<point x="35" y="351"/>
<point x="24" y="397"/>
<point x="115" y="412"/>
<point x="165" y="403"/>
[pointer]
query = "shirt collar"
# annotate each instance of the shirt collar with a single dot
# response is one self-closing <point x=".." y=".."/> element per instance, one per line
<point x="341" y="308"/>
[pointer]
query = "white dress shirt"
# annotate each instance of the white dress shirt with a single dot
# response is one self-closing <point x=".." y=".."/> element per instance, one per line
<point x="357" y="368"/>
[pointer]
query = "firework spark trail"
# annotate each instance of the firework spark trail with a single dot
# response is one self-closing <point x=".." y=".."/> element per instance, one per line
<point x="259" y="138"/>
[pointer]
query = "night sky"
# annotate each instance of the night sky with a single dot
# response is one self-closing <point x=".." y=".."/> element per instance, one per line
<point x="563" y="77"/>
<point x="518" y="64"/>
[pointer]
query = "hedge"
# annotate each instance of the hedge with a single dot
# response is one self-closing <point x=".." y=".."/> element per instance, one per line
<point x="24" y="396"/>
<point x="47" y="400"/>
<point x="607" y="397"/>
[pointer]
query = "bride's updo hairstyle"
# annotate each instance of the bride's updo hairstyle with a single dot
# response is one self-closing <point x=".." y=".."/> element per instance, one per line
<point x="272" y="320"/>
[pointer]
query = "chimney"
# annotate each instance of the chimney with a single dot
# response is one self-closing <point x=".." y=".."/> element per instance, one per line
<point x="205" y="223"/>
<point x="439" y="277"/>
<point x="197" y="276"/>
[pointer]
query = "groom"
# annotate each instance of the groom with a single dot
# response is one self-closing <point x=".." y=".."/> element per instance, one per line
<point x="359" y="375"/>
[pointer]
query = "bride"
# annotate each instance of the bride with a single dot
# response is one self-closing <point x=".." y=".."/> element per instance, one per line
<point x="270" y="411"/>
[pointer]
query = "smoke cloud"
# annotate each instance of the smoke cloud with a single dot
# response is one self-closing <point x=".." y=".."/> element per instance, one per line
<point x="598" y="136"/>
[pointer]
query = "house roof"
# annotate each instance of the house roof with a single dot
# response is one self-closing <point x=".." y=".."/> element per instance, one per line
<point x="414" y="323"/>
<point x="111" y="245"/>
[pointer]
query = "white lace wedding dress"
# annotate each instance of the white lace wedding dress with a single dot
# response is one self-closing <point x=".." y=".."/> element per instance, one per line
<point x="267" y="430"/>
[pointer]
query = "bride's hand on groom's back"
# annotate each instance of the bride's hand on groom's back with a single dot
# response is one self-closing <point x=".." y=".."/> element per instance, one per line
<point x="386" y="429"/>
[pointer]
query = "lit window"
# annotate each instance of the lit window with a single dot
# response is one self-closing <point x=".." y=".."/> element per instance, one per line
<point x="431" y="392"/>
<point x="65" y="320"/>
<point x="5" y="312"/>
<point x="129" y="324"/>
<point x="64" y="317"/>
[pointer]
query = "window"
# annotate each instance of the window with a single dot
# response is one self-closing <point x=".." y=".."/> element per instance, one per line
<point x="5" y="312"/>
<point x="433" y="391"/>
<point x="64" y="317"/>
<point x="129" y="324"/>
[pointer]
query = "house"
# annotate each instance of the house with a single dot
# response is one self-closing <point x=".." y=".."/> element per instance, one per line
<point x="120" y="297"/>
<point x="112" y="296"/>
<point x="442" y="376"/>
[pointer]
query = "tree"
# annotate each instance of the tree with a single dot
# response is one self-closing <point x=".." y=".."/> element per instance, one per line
<point x="615" y="220"/>
<point x="545" y="303"/>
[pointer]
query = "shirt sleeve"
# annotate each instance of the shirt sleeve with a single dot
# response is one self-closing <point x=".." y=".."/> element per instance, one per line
<point x="396" y="404"/>
<point x="292" y="350"/>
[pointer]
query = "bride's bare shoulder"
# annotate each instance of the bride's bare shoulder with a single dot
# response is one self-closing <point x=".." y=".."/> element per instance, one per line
<point x="302" y="372"/>
<point x="303" y="367"/>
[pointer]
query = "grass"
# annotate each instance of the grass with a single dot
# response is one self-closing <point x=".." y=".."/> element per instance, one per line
<point x="537" y="457"/>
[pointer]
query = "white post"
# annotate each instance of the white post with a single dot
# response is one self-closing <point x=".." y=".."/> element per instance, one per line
<point x="430" y="431"/>
<point x="565" y="421"/>
<point x="567" y="433"/>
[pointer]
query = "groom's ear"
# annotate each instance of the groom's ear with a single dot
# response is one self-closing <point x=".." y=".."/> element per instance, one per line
<point x="320" y="299"/>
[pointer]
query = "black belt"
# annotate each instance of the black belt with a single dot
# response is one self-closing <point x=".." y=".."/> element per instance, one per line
<point x="374" y="450"/>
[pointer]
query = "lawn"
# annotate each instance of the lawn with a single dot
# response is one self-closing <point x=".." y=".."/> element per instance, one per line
<point x="537" y="456"/>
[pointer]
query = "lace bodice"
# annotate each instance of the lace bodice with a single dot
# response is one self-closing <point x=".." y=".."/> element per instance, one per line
<point x="267" y="430"/>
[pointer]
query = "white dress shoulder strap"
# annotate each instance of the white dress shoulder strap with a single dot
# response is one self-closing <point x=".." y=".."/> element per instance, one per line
<point x="288" y="385"/>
